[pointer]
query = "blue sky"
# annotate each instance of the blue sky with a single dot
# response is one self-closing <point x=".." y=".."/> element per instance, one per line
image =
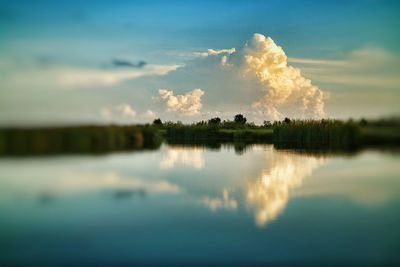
<point x="37" y="37"/>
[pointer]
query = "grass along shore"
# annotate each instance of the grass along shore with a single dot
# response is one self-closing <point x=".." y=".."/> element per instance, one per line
<point x="77" y="139"/>
<point x="298" y="134"/>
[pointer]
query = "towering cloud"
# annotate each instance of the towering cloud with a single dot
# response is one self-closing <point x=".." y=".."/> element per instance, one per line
<point x="284" y="84"/>
<point x="264" y="64"/>
<point x="187" y="104"/>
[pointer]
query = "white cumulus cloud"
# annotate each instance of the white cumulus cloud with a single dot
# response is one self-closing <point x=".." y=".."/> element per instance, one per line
<point x="284" y="85"/>
<point x="186" y="104"/>
<point x="280" y="89"/>
<point x="149" y="114"/>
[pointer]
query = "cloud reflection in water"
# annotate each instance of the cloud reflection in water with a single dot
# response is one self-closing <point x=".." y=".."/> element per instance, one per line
<point x="47" y="188"/>
<point x="180" y="155"/>
<point x="217" y="203"/>
<point x="268" y="195"/>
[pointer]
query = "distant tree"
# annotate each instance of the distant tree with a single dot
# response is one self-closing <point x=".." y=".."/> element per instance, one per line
<point x="214" y="121"/>
<point x="363" y="122"/>
<point x="251" y="124"/>
<point x="286" y="120"/>
<point x="157" y="122"/>
<point x="267" y="124"/>
<point x="200" y="123"/>
<point x="276" y="123"/>
<point x="240" y="119"/>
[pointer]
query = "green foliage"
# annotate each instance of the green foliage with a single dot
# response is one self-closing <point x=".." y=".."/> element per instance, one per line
<point x="267" y="124"/>
<point x="193" y="133"/>
<point x="382" y="135"/>
<point x="190" y="133"/>
<point x="214" y="121"/>
<point x="157" y="122"/>
<point x="79" y="139"/>
<point x="313" y="133"/>
<point x="247" y="135"/>
<point x="240" y="119"/>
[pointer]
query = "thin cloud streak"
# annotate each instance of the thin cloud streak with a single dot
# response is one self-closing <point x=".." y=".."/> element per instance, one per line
<point x="309" y="61"/>
<point x="75" y="77"/>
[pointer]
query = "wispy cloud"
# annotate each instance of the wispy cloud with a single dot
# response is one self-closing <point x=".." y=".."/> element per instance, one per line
<point x="312" y="61"/>
<point x="374" y="80"/>
<point x="369" y="66"/>
<point x="75" y="77"/>
<point x="125" y="113"/>
<point x="119" y="112"/>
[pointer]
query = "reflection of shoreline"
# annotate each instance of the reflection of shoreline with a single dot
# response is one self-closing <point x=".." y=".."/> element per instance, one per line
<point x="268" y="195"/>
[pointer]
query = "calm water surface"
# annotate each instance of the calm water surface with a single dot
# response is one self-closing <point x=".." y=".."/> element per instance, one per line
<point x="188" y="205"/>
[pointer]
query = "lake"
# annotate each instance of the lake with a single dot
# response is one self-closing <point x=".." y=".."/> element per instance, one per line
<point x="196" y="206"/>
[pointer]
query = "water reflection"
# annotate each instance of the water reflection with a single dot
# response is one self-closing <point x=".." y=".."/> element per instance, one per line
<point x="144" y="207"/>
<point x="268" y="194"/>
<point x="98" y="181"/>
<point x="47" y="187"/>
<point x="46" y="198"/>
<point x="122" y="194"/>
<point x="260" y="180"/>
<point x="216" y="203"/>
<point x="181" y="155"/>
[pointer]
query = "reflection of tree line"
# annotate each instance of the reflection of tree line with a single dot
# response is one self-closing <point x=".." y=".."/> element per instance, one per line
<point x="239" y="147"/>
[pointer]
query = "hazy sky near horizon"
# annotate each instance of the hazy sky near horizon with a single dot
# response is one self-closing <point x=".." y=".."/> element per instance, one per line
<point x="133" y="61"/>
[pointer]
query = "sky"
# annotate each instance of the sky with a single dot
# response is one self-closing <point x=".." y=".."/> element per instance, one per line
<point x="64" y="62"/>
